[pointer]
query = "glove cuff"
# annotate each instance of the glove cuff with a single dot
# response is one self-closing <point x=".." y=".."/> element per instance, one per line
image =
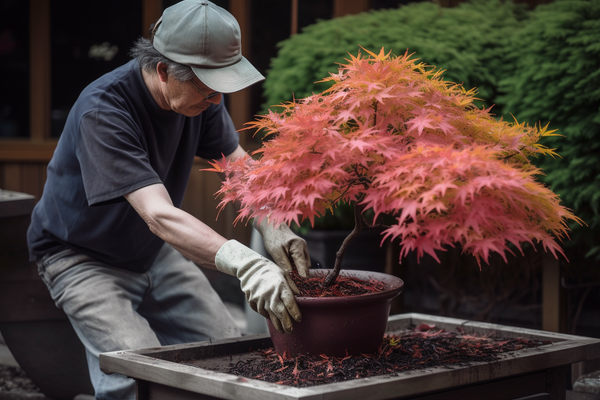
<point x="233" y="256"/>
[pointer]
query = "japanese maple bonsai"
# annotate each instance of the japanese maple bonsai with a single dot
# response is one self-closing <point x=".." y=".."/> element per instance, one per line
<point x="391" y="136"/>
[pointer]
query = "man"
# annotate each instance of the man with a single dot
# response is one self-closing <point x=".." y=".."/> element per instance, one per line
<point x="117" y="253"/>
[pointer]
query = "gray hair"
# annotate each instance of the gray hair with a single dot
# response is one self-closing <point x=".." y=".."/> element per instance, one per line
<point x="148" y="58"/>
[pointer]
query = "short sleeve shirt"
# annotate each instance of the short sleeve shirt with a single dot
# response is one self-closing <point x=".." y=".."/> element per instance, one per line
<point x="117" y="140"/>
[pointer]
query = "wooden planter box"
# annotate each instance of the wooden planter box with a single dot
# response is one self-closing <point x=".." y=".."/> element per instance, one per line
<point x="540" y="372"/>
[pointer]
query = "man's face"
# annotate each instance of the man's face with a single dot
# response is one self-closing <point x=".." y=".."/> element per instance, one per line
<point x="189" y="98"/>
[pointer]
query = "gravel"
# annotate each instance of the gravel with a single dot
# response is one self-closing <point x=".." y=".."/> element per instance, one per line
<point x="15" y="385"/>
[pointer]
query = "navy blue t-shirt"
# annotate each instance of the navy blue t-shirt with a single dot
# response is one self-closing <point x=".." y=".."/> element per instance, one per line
<point x="116" y="140"/>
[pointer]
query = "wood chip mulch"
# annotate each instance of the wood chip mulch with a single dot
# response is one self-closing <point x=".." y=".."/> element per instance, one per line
<point x="420" y="347"/>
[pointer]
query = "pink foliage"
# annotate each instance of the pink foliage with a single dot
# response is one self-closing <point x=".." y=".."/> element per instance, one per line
<point x="394" y="137"/>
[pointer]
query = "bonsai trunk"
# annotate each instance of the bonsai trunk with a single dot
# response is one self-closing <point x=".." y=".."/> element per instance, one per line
<point x="330" y="279"/>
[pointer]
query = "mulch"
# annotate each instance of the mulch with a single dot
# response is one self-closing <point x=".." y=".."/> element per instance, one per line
<point x="420" y="347"/>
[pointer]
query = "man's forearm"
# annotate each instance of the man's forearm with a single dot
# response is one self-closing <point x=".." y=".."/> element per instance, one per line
<point x="190" y="236"/>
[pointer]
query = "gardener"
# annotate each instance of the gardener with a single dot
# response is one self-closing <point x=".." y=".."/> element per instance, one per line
<point x="117" y="253"/>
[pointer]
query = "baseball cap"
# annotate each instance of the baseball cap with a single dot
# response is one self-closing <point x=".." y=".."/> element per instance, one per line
<point x="207" y="38"/>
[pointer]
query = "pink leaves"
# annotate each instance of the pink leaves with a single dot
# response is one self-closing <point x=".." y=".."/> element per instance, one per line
<point x="420" y="122"/>
<point x="391" y="134"/>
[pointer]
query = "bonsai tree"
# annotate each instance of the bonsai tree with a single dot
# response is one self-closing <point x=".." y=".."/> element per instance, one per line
<point x="391" y="136"/>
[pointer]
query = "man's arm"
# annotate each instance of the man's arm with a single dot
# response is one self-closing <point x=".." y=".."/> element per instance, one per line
<point x="269" y="290"/>
<point x="190" y="236"/>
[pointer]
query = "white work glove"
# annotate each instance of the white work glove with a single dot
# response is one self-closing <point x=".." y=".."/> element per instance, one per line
<point x="285" y="247"/>
<point x="269" y="290"/>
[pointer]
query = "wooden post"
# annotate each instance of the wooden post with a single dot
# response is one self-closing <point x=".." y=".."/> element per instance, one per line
<point x="346" y="7"/>
<point x="553" y="296"/>
<point x="39" y="71"/>
<point x="294" y="21"/>
<point x="239" y="102"/>
<point x="151" y="12"/>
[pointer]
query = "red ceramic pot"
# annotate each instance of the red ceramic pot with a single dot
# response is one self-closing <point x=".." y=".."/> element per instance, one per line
<point x="336" y="326"/>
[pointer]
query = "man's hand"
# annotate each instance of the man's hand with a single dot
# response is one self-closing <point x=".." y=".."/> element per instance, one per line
<point x="269" y="290"/>
<point x="285" y="247"/>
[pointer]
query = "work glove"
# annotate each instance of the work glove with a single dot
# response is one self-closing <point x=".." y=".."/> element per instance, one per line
<point x="286" y="248"/>
<point x="269" y="290"/>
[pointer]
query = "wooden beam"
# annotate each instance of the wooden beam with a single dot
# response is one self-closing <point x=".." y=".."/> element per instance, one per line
<point x="27" y="151"/>
<point x="39" y="71"/>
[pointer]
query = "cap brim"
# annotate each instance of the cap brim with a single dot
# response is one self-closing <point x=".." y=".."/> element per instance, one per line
<point x="229" y="79"/>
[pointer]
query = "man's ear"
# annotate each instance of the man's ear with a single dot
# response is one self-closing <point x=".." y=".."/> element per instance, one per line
<point x="162" y="71"/>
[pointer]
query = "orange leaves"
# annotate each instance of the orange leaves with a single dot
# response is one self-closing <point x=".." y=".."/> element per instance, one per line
<point x="392" y="134"/>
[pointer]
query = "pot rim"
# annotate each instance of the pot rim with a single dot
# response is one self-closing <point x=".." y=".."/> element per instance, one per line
<point x="394" y="286"/>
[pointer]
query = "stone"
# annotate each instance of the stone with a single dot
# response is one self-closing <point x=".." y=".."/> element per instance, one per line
<point x="588" y="383"/>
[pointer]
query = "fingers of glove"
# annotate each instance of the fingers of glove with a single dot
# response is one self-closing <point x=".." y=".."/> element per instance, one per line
<point x="286" y="321"/>
<point x="257" y="304"/>
<point x="283" y="317"/>
<point x="276" y="323"/>
<point x="300" y="257"/>
<point x="264" y="313"/>
<point x="291" y="283"/>
<point x="277" y="242"/>
<point x="280" y="258"/>
<point x="291" y="307"/>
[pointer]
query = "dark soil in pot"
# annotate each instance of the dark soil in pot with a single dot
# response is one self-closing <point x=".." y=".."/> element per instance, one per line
<point x="342" y="325"/>
<point x="344" y="285"/>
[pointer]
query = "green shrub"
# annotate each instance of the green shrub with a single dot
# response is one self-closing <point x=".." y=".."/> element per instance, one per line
<point x="468" y="41"/>
<point x="556" y="79"/>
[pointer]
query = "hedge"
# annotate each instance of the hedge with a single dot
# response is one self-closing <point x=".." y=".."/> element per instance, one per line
<point x="555" y="78"/>
<point x="468" y="41"/>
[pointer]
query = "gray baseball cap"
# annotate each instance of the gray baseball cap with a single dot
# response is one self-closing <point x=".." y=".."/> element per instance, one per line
<point x="207" y="38"/>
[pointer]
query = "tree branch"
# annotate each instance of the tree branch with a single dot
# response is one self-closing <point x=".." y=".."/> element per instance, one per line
<point x="330" y="279"/>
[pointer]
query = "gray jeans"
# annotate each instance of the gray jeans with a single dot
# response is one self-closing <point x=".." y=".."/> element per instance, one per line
<point x="114" y="309"/>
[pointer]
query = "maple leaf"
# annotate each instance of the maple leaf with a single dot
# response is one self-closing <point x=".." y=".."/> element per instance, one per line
<point x="420" y="122"/>
<point x="217" y="166"/>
